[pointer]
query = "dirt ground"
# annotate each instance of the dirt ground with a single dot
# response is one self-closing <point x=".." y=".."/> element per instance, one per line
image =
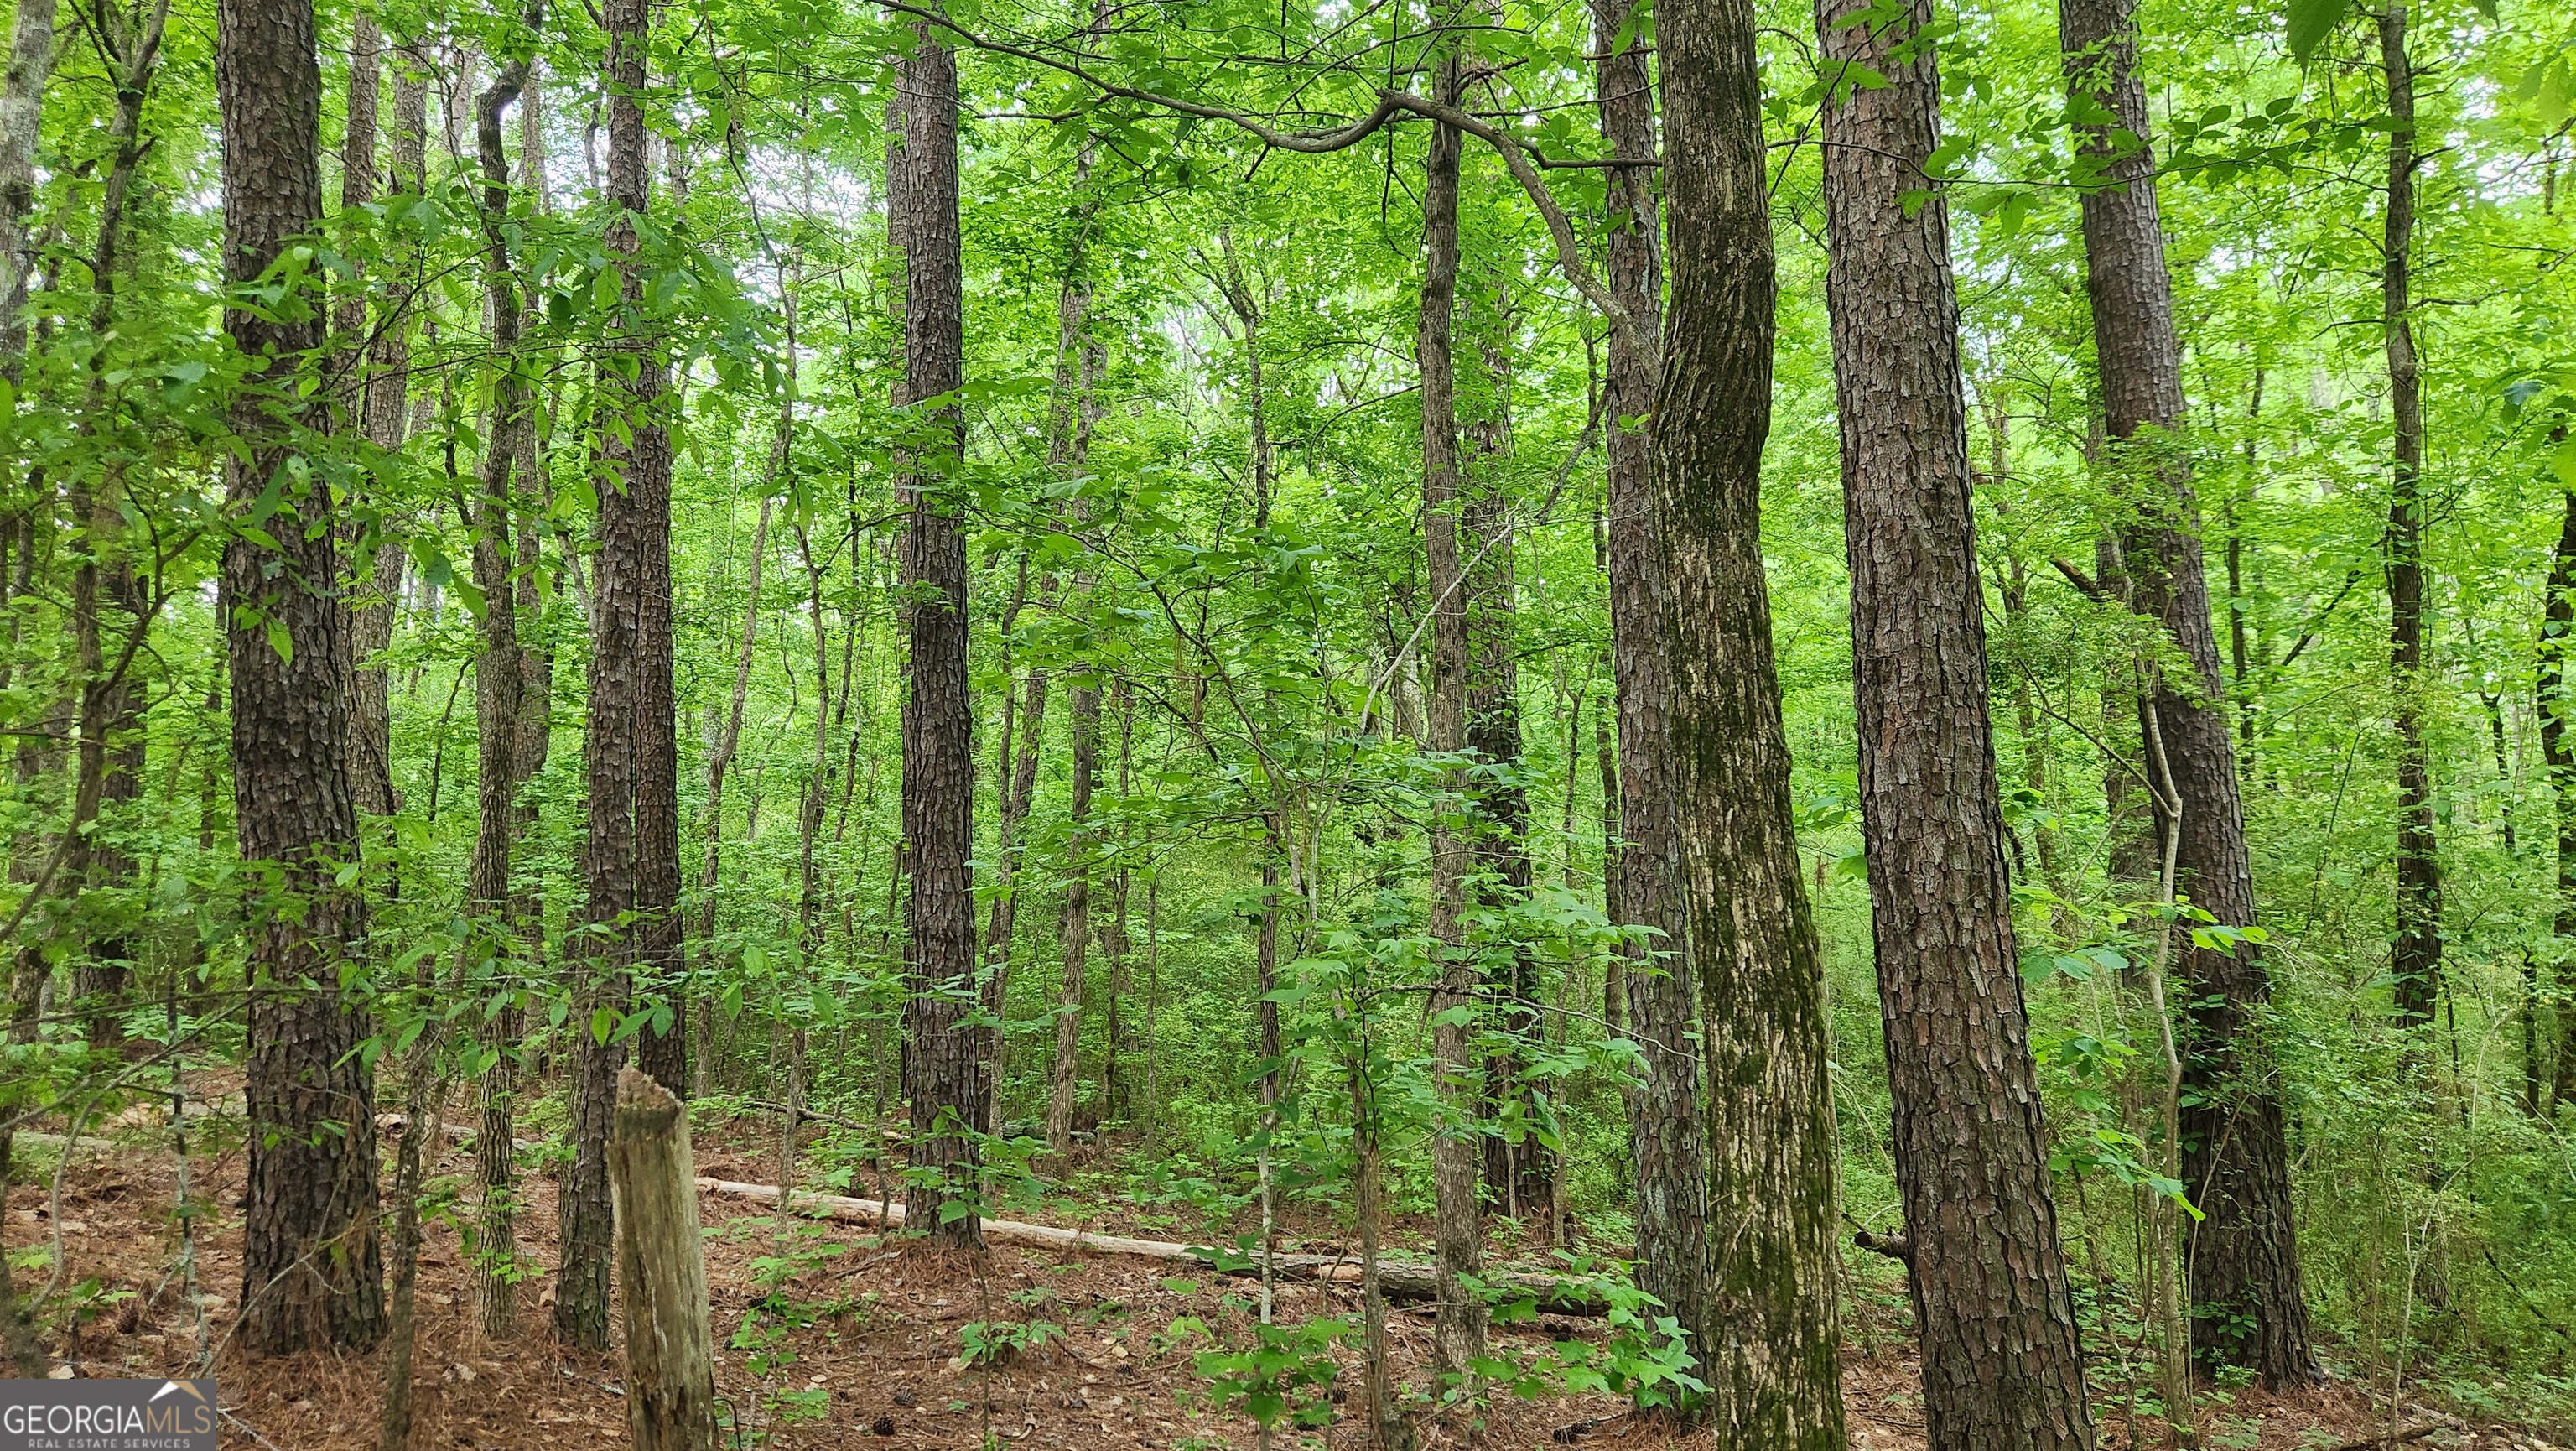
<point x="858" y="1342"/>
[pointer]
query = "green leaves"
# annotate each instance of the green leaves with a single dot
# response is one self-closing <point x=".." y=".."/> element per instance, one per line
<point x="2311" y="21"/>
<point x="2549" y="88"/>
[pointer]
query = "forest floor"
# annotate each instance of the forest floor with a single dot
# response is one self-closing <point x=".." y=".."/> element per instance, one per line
<point x="854" y="1341"/>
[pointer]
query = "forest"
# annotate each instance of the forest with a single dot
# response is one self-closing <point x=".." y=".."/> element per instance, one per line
<point x="1391" y="723"/>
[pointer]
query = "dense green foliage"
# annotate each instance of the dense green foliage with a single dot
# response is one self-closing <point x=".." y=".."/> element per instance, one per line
<point x="1261" y="671"/>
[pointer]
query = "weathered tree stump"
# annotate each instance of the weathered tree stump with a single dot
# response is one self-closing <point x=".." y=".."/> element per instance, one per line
<point x="670" y="1350"/>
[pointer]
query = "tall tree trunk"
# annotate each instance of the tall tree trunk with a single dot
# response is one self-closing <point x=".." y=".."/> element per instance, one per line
<point x="358" y="187"/>
<point x="818" y="781"/>
<point x="312" y="1271"/>
<point x="1116" y="1094"/>
<point x="1643" y="878"/>
<point x="533" y="733"/>
<point x="1066" y="1084"/>
<point x="1775" y="1382"/>
<point x="500" y="700"/>
<point x="2243" y="1260"/>
<point x="1248" y="310"/>
<point x="1993" y="1307"/>
<point x="1074" y="412"/>
<point x="110" y="749"/>
<point x="720" y="760"/>
<point x="385" y="415"/>
<point x="940" y="1078"/>
<point x="22" y="99"/>
<point x="1615" y="1016"/>
<point x="631" y="864"/>
<point x="1516" y="1175"/>
<point x="2246" y="654"/>
<point x="2415" y="963"/>
<point x="1015" y="765"/>
<point x="2558" y="749"/>
<point x="1458" y="1231"/>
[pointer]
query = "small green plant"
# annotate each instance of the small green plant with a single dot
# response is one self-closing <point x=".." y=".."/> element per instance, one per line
<point x="1646" y="1356"/>
<point x="1269" y="1380"/>
<point x="999" y="1342"/>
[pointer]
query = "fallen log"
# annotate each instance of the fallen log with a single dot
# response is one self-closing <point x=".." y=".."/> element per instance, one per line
<point x="2381" y="1440"/>
<point x="1398" y="1280"/>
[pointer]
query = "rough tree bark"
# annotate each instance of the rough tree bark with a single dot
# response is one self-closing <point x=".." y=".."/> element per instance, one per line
<point x="939" y="1070"/>
<point x="2415" y="963"/>
<point x="1993" y="1306"/>
<point x="2248" y="1309"/>
<point x="1458" y="1232"/>
<point x="312" y="1270"/>
<point x="1774" y="1379"/>
<point x="631" y="863"/>
<point x="1643" y="869"/>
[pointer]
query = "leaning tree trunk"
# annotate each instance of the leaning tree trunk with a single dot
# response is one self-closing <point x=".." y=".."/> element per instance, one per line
<point x="2415" y="963"/>
<point x="1643" y="870"/>
<point x="2242" y="1255"/>
<point x="631" y="864"/>
<point x="312" y="1270"/>
<point x="1458" y="1231"/>
<point x="1993" y="1307"/>
<point x="939" y="1068"/>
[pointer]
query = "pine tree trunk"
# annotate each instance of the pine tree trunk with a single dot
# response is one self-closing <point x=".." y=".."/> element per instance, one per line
<point x="1643" y="877"/>
<point x="631" y="865"/>
<point x="1993" y="1305"/>
<point x="312" y="1271"/>
<point x="1458" y="1230"/>
<point x="2415" y="963"/>
<point x="2243" y="1256"/>
<point x="1774" y="1380"/>
<point x="940" y="1067"/>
